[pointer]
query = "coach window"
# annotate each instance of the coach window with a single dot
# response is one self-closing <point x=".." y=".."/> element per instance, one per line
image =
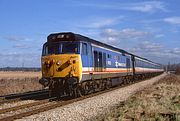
<point x="84" y="49"/>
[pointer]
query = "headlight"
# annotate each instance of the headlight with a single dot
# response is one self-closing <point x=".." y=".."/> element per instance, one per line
<point x="58" y="63"/>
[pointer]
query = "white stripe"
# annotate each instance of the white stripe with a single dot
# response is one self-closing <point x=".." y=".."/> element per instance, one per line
<point x="148" y="69"/>
<point x="88" y="69"/>
<point x="106" y="69"/>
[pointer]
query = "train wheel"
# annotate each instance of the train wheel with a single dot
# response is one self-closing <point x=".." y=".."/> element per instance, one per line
<point x="73" y="90"/>
<point x="76" y="92"/>
<point x="98" y="85"/>
<point x="72" y="87"/>
<point x="108" y="83"/>
<point x="88" y="87"/>
<point x="103" y="84"/>
<point x="82" y="89"/>
<point x="94" y="86"/>
<point x="53" y="90"/>
<point x="124" y="80"/>
<point x="127" y="79"/>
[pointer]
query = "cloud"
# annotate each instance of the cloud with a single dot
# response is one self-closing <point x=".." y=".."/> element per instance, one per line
<point x="159" y="35"/>
<point x="114" y="36"/>
<point x="99" y="22"/>
<point x="103" y="23"/>
<point x="149" y="7"/>
<point x="145" y="7"/>
<point x="156" y="52"/>
<point x="173" y="20"/>
<point x="176" y="51"/>
<point x="128" y="32"/>
<point x="146" y="47"/>
<point x="16" y="38"/>
<point x="150" y="47"/>
<point x="21" y="46"/>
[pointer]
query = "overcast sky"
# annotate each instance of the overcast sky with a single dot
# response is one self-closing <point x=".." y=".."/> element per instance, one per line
<point x="147" y="28"/>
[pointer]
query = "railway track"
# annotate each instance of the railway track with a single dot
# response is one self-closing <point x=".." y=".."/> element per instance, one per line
<point x="23" y="96"/>
<point x="23" y="106"/>
<point x="50" y="105"/>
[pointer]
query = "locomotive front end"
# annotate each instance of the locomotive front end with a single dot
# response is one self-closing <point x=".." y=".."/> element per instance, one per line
<point x="61" y="64"/>
<point x="60" y="67"/>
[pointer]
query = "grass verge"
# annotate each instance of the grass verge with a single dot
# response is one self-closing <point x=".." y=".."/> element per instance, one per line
<point x="161" y="102"/>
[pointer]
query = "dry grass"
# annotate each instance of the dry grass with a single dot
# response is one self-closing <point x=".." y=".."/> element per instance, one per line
<point x="160" y="102"/>
<point x="19" y="74"/>
<point x="16" y="82"/>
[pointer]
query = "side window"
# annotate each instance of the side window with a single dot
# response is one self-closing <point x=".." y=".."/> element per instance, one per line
<point x="119" y="58"/>
<point x="45" y="50"/>
<point x="84" y="49"/>
<point x="109" y="56"/>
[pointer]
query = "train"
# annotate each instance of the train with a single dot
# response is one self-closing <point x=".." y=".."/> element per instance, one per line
<point x="76" y="65"/>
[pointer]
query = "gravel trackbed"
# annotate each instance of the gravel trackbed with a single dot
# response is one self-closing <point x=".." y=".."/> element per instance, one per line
<point x="87" y="109"/>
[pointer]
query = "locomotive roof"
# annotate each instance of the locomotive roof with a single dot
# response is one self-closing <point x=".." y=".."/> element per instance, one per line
<point x="78" y="37"/>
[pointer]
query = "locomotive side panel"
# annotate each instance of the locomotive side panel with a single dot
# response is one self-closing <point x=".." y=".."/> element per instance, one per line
<point x="107" y="63"/>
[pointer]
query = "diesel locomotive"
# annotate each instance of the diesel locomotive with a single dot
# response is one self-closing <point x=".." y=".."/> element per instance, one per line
<point x="76" y="65"/>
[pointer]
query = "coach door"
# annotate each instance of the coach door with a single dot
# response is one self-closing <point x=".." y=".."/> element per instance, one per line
<point x="98" y="58"/>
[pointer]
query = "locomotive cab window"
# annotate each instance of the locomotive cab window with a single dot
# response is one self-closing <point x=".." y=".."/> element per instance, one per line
<point x="84" y="49"/>
<point x="70" y="47"/>
<point x="45" y="50"/>
<point x="61" y="48"/>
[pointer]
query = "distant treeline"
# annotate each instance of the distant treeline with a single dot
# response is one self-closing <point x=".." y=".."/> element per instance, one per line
<point x="173" y="67"/>
<point x="20" y="69"/>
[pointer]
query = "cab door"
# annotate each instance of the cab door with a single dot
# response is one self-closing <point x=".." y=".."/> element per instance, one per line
<point x="85" y="56"/>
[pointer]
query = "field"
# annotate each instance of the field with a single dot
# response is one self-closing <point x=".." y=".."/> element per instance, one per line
<point x="161" y="102"/>
<point x="16" y="82"/>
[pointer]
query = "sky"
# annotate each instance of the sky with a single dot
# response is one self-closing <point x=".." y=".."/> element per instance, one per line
<point x="150" y="29"/>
